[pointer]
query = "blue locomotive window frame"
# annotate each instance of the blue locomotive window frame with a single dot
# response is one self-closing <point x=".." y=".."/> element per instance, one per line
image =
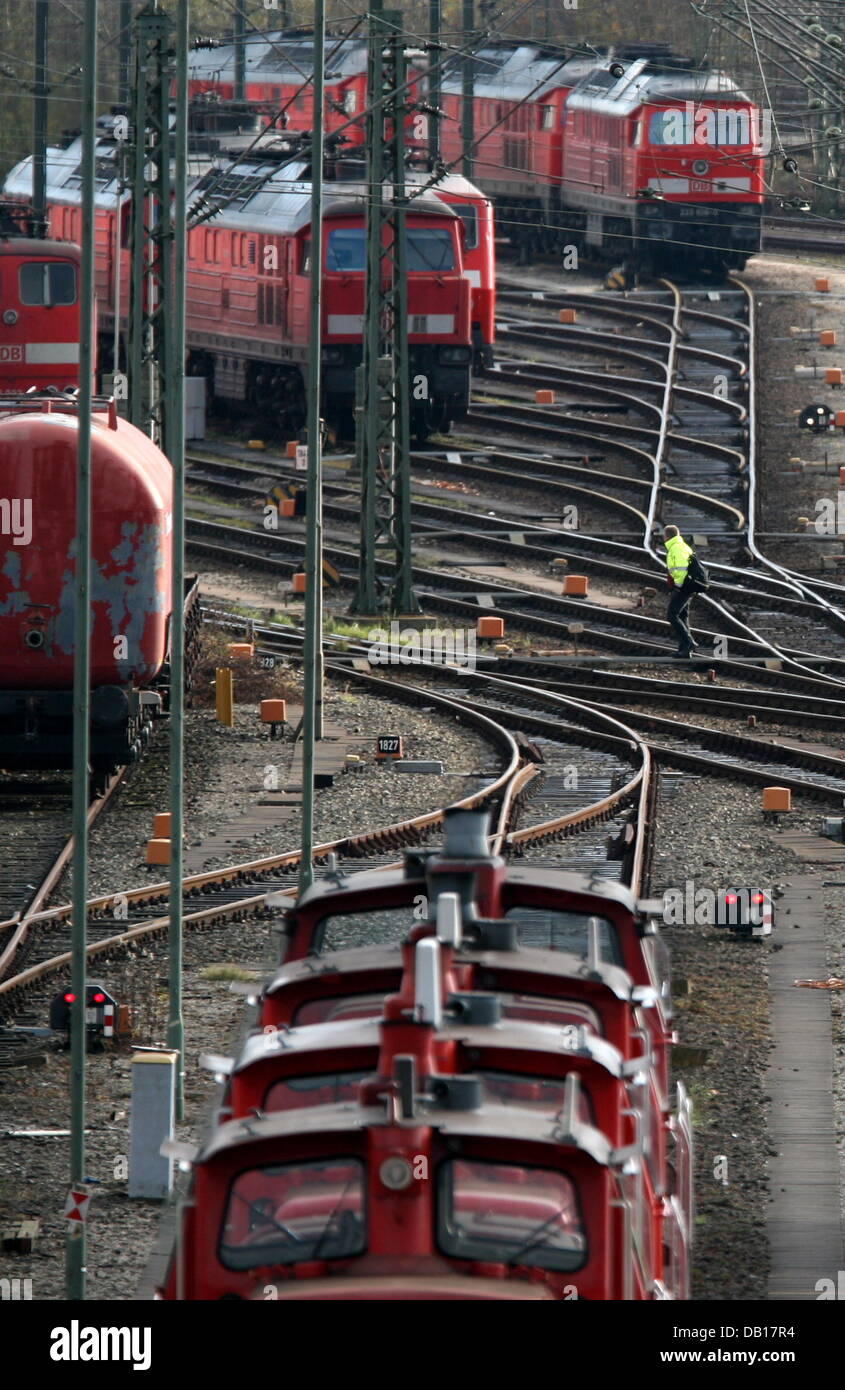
<point x="428" y="249"/>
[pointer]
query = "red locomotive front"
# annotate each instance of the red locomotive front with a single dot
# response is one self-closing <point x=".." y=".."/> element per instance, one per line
<point x="39" y="295"/>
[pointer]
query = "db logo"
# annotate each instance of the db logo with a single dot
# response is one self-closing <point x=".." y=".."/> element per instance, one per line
<point x="699" y="186"/>
<point x="11" y="354"/>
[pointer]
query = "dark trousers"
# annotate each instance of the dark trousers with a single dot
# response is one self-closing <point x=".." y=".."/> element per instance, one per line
<point x="677" y="612"/>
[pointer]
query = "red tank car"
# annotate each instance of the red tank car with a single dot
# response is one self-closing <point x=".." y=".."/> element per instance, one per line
<point x="131" y="593"/>
<point x="39" y="295"/>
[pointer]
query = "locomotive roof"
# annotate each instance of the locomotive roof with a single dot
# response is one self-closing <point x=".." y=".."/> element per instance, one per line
<point x="512" y="1034"/>
<point x="329" y="890"/>
<point x="509" y="74"/>
<point x="33" y="246"/>
<point x="641" y="84"/>
<point x="275" y="55"/>
<point x="490" y="1121"/>
<point x="64" y="174"/>
<point x="260" y="194"/>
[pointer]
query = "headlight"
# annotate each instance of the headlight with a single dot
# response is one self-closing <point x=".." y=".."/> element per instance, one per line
<point x="455" y="354"/>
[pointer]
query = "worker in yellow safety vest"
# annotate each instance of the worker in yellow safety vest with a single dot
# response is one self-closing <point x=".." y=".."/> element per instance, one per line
<point x="677" y="560"/>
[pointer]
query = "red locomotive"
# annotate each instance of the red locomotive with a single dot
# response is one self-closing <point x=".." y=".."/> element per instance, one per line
<point x="633" y="154"/>
<point x="476" y="1109"/>
<point x="131" y="596"/>
<point x="249" y="270"/>
<point x="39" y="295"/>
<point x="637" y="157"/>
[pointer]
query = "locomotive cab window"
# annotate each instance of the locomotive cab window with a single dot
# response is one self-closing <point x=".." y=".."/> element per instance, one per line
<point x="430" y="248"/>
<point x="294" y="1212"/>
<point x="346" y="249"/>
<point x="537" y="1093"/>
<point x="468" y="214"/>
<point x="298" y="1092"/>
<point x="340" y="930"/>
<point x="508" y="1214"/>
<point x="551" y="929"/>
<point x="48" y="283"/>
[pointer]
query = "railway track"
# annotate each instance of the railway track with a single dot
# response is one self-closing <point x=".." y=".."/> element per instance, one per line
<point x="42" y="943"/>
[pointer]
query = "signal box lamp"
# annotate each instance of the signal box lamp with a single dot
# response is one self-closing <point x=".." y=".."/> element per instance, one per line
<point x="746" y="911"/>
<point x="100" y="1012"/>
<point x="816" y="417"/>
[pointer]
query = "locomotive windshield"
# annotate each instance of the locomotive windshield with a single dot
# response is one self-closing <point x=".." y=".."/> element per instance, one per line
<point x="293" y="1212"/>
<point x="298" y="1092"/>
<point x="47" y="283"/>
<point x="509" y="1215"/>
<point x="700" y="125"/>
<point x="468" y="214"/>
<point x="344" y="929"/>
<point x="550" y="929"/>
<point x="429" y="248"/>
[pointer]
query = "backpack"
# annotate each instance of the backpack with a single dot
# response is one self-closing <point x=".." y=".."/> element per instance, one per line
<point x="697" y="574"/>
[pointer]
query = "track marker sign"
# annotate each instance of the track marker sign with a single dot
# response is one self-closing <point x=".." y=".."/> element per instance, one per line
<point x="76" y="1206"/>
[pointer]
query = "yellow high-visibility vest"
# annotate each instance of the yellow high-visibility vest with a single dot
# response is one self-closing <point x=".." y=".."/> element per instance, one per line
<point x="677" y="559"/>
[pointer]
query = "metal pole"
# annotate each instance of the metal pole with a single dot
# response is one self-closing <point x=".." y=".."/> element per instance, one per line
<point x="382" y="424"/>
<point x="118" y="251"/>
<point x="404" y="599"/>
<point x="467" y="88"/>
<point x="435" y="70"/>
<point x="39" y="143"/>
<point x="239" y="37"/>
<point x="313" y="543"/>
<point x="124" y="48"/>
<point x="75" y="1243"/>
<point x="175" y="422"/>
<point x="366" y="421"/>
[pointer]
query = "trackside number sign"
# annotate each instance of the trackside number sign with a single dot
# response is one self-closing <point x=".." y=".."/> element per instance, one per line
<point x="389" y="746"/>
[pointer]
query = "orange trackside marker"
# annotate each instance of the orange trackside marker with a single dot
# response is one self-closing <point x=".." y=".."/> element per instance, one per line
<point x="287" y="506"/>
<point x="544" y="397"/>
<point x="822" y="284"/>
<point x="274" y="713"/>
<point x="490" y="627"/>
<point x="242" y="649"/>
<point x="827" y="337"/>
<point x="568" y="316"/>
<point x="777" y="799"/>
<point x="839" y="419"/>
<point x="290" y="451"/>
<point x="161" y="825"/>
<point x="576" y="585"/>
<point x="842" y="475"/>
<point x="158" y="851"/>
<point x="299" y="582"/>
<point x="833" y="376"/>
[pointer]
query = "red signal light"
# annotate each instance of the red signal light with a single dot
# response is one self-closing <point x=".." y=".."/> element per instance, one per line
<point x="70" y="997"/>
<point x="730" y="897"/>
<point x="758" y="898"/>
<point x="99" y="997"/>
